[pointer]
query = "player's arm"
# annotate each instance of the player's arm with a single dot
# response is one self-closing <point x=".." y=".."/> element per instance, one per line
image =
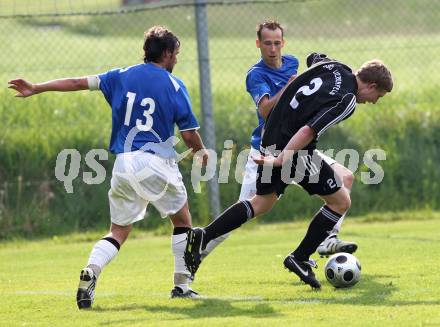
<point x="299" y="141"/>
<point x="25" y="88"/>
<point x="194" y="142"/>
<point x="266" y="104"/>
<point x="326" y="118"/>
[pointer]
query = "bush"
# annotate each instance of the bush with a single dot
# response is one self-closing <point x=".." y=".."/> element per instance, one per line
<point x="33" y="202"/>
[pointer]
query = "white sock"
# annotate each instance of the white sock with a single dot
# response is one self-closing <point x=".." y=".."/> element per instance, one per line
<point x="181" y="273"/>
<point x="102" y="253"/>
<point x="338" y="225"/>
<point x="213" y="244"/>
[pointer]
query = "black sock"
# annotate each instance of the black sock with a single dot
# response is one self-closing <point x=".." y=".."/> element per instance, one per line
<point x="180" y="230"/>
<point x="113" y="241"/>
<point x="232" y="218"/>
<point x="318" y="230"/>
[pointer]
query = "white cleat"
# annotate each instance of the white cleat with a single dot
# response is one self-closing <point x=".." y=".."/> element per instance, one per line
<point x="332" y="245"/>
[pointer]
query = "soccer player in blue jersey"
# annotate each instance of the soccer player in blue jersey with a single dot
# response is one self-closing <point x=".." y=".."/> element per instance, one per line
<point x="147" y="102"/>
<point x="265" y="82"/>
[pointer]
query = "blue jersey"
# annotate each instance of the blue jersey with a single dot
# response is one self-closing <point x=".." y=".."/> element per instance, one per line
<point x="263" y="80"/>
<point x="146" y="102"/>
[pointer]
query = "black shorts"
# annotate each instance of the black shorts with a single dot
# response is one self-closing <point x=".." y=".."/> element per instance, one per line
<point x="313" y="174"/>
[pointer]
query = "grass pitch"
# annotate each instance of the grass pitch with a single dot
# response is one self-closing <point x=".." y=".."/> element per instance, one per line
<point x="243" y="281"/>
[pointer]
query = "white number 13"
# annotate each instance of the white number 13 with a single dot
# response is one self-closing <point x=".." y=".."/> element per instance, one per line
<point x="306" y="90"/>
<point x="146" y="102"/>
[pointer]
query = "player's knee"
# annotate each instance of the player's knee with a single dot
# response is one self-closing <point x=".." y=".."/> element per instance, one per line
<point x="341" y="203"/>
<point x="348" y="179"/>
<point x="344" y="203"/>
<point x="262" y="204"/>
<point x="120" y="233"/>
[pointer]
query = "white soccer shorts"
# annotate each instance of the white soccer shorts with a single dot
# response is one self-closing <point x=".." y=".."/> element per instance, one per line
<point x="249" y="185"/>
<point x="140" y="178"/>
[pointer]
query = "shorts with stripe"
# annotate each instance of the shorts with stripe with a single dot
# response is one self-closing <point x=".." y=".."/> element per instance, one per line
<point x="311" y="170"/>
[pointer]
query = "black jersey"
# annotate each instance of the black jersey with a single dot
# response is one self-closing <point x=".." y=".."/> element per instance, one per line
<point x="322" y="96"/>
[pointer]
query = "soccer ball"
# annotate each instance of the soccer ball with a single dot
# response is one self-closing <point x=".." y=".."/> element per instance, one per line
<point x="342" y="270"/>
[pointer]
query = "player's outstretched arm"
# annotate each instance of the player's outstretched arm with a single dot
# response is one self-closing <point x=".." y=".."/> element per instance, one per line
<point x="25" y="88"/>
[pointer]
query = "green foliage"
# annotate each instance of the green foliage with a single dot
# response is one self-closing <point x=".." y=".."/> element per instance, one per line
<point x="34" y="203"/>
<point x="405" y="124"/>
<point x="243" y="280"/>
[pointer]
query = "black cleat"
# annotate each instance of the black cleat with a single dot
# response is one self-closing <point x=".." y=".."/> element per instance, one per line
<point x="86" y="289"/>
<point x="177" y="292"/>
<point x="193" y="249"/>
<point x="303" y="269"/>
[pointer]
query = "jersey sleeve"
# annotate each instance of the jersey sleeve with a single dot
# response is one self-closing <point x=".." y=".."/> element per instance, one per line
<point x="256" y="86"/>
<point x="184" y="117"/>
<point x="333" y="114"/>
<point x="108" y="83"/>
<point x="93" y="82"/>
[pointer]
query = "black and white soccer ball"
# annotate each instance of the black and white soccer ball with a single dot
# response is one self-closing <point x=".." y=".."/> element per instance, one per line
<point x="342" y="270"/>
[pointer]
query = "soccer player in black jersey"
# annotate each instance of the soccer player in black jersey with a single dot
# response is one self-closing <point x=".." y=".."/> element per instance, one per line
<point x="317" y="99"/>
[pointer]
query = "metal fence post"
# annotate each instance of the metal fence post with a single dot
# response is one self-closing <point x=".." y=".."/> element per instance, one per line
<point x="205" y="97"/>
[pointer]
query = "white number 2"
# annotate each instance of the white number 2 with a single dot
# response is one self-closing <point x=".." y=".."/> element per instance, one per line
<point x="331" y="183"/>
<point x="306" y="90"/>
<point x="146" y="102"/>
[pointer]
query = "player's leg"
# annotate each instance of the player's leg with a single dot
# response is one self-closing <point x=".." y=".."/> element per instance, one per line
<point x="332" y="244"/>
<point x="328" y="185"/>
<point x="126" y="207"/>
<point x="232" y="218"/>
<point x="181" y="221"/>
<point x="347" y="179"/>
<point x="248" y="190"/>
<point x="322" y="223"/>
<point x="172" y="203"/>
<point x="102" y="253"/>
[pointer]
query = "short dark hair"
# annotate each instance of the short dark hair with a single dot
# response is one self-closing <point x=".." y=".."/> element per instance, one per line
<point x="158" y="40"/>
<point x="375" y="71"/>
<point x="271" y="25"/>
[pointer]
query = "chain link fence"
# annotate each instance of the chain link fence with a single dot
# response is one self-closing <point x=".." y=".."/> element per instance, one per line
<point x="51" y="39"/>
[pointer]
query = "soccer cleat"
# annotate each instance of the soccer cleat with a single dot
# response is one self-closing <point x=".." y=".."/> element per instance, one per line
<point x="86" y="289"/>
<point x="332" y="245"/>
<point x="193" y="249"/>
<point x="177" y="292"/>
<point x="303" y="269"/>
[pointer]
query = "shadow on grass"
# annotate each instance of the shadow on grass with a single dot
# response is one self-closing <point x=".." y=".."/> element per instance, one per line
<point x="371" y="291"/>
<point x="374" y="290"/>
<point x="201" y="308"/>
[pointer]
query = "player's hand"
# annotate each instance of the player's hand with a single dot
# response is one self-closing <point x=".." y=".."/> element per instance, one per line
<point x="23" y="87"/>
<point x="291" y="78"/>
<point x="268" y="161"/>
<point x="202" y="157"/>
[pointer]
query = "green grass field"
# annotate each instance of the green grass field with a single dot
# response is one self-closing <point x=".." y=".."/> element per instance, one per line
<point x="243" y="280"/>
